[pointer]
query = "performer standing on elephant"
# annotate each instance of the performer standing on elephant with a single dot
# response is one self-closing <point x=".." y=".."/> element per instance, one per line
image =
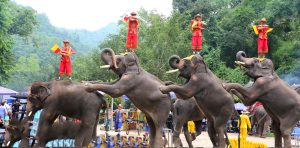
<point x="132" y="34"/>
<point x="197" y="26"/>
<point x="65" y="67"/>
<point x="244" y="125"/>
<point x="262" y="41"/>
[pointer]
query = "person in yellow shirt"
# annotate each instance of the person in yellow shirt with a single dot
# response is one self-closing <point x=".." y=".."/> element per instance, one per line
<point x="244" y="124"/>
<point x="192" y="129"/>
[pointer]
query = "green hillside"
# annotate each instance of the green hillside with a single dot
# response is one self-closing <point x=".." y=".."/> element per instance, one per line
<point x="33" y="59"/>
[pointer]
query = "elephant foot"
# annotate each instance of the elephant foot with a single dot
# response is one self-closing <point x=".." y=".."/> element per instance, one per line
<point x="193" y="136"/>
<point x="263" y="136"/>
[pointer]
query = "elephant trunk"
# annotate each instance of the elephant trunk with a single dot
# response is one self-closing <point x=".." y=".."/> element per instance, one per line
<point x="240" y="56"/>
<point x="174" y="61"/>
<point x="108" y="57"/>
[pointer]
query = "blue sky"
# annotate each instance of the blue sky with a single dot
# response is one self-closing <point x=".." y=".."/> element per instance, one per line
<point x="92" y="14"/>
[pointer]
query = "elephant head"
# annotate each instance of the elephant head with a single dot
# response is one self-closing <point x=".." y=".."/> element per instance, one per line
<point x="120" y="64"/>
<point x="255" y="67"/>
<point x="39" y="92"/>
<point x="14" y="131"/>
<point x="188" y="66"/>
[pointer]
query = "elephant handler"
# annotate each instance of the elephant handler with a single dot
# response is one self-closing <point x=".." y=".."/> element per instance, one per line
<point x="196" y="27"/>
<point x="192" y="129"/>
<point x="262" y="41"/>
<point x="132" y="34"/>
<point x="244" y="124"/>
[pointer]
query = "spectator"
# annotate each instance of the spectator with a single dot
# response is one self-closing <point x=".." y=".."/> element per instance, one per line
<point x="3" y="111"/>
<point x="16" y="108"/>
<point x="118" y="118"/>
<point x="8" y="109"/>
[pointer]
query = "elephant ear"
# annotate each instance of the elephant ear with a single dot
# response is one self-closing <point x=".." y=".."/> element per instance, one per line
<point x="38" y="92"/>
<point x="199" y="63"/>
<point x="132" y="63"/>
<point x="267" y="67"/>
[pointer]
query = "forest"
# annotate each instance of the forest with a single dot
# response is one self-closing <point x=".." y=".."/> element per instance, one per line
<point x="25" y="43"/>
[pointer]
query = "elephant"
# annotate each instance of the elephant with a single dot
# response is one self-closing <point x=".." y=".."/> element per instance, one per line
<point x="59" y="130"/>
<point x="141" y="87"/>
<point x="66" y="98"/>
<point x="279" y="99"/>
<point x="215" y="102"/>
<point x="14" y="131"/>
<point x="261" y="119"/>
<point x="184" y="111"/>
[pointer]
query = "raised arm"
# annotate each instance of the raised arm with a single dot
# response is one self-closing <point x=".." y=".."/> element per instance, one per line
<point x="185" y="91"/>
<point x="115" y="90"/>
<point x="251" y="94"/>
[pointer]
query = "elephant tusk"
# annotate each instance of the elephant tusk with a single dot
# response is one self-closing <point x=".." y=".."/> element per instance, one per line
<point x="172" y="71"/>
<point x="239" y="62"/>
<point x="29" y="114"/>
<point x="8" y="143"/>
<point x="105" y="66"/>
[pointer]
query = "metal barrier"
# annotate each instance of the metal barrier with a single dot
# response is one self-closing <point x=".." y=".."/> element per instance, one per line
<point x="168" y="135"/>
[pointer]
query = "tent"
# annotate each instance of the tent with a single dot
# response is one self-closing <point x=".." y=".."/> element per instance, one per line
<point x="7" y="91"/>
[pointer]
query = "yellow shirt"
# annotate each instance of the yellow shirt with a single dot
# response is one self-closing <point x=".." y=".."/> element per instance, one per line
<point x="245" y="122"/>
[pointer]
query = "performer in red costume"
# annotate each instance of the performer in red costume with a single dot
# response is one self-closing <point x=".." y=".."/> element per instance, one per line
<point x="65" y="67"/>
<point x="132" y="34"/>
<point x="262" y="41"/>
<point x="196" y="27"/>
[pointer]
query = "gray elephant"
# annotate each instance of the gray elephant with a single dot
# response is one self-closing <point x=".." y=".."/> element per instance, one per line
<point x="261" y="119"/>
<point x="59" y="130"/>
<point x="69" y="99"/>
<point x="280" y="100"/>
<point x="141" y="87"/>
<point x="215" y="102"/>
<point x="15" y="131"/>
<point x="184" y="111"/>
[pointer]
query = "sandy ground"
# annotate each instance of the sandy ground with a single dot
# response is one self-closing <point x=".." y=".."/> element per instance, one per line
<point x="203" y="139"/>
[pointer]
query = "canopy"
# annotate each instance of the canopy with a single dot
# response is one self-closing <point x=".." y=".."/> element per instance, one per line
<point x="6" y="91"/>
<point x="239" y="106"/>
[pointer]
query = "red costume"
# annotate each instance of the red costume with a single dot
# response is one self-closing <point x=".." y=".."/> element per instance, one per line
<point x="196" y="26"/>
<point x="262" y="41"/>
<point x="65" y="67"/>
<point x="132" y="34"/>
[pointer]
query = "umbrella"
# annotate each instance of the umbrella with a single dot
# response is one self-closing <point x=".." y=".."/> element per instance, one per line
<point x="239" y="106"/>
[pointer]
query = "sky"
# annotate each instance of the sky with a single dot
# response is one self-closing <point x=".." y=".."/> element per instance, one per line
<point x="92" y="14"/>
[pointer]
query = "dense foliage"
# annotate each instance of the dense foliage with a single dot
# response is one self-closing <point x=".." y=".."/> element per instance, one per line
<point x="228" y="30"/>
<point x="14" y="20"/>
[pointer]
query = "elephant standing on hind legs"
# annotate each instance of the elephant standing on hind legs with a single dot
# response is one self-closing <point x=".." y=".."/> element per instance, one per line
<point x="215" y="102"/>
<point x="141" y="87"/>
<point x="69" y="99"/>
<point x="280" y="101"/>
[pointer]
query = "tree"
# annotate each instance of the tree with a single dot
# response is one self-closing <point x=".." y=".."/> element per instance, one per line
<point x="14" y="20"/>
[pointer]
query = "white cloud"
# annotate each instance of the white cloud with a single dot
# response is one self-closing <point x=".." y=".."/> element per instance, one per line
<point x="92" y="14"/>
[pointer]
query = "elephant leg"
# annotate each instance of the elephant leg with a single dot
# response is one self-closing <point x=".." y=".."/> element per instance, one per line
<point x="152" y="131"/>
<point x="211" y="132"/>
<point x="45" y="122"/>
<point x="286" y="129"/>
<point x="86" y="132"/>
<point x="198" y="125"/>
<point x="219" y="125"/>
<point x="277" y="134"/>
<point x="187" y="135"/>
<point x="177" y="129"/>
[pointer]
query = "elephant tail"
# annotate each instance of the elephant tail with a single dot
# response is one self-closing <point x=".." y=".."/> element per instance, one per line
<point x="104" y="107"/>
